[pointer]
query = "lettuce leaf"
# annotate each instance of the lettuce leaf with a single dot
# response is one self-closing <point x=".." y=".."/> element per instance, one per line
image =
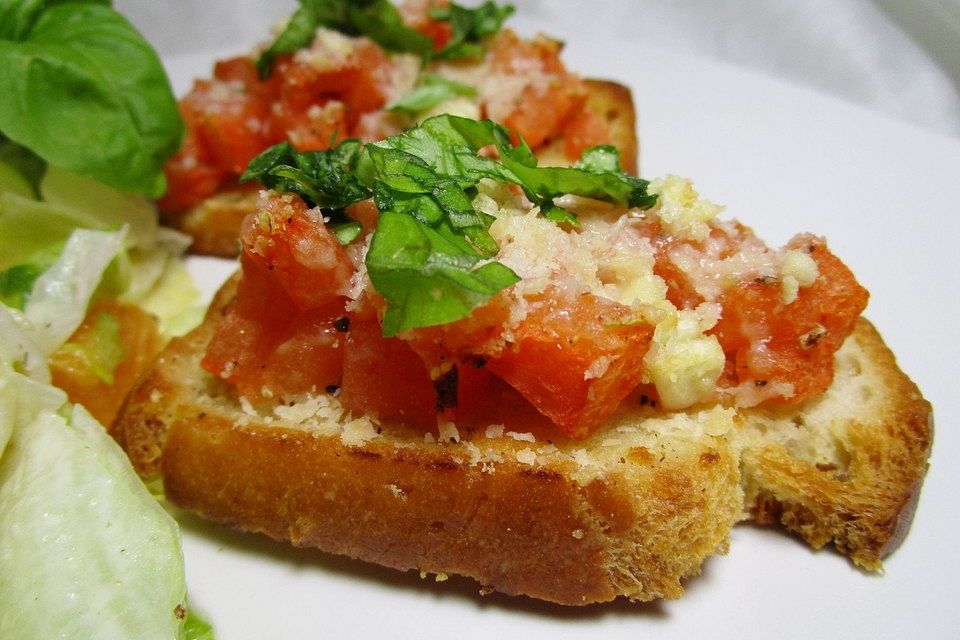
<point x="87" y="551"/>
<point x="59" y="298"/>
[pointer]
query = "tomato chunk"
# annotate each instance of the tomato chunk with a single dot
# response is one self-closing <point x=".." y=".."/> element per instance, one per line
<point x="586" y="129"/>
<point x="575" y="361"/>
<point x="292" y="242"/>
<point x="542" y="113"/>
<point x="767" y="341"/>
<point x="384" y="376"/>
<point x="267" y="346"/>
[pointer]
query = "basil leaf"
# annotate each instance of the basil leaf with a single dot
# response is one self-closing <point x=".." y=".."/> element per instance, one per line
<point x="470" y="27"/>
<point x="324" y="179"/>
<point x="299" y="32"/>
<point x="432" y="90"/>
<point x="18" y="18"/>
<point x="427" y="255"/>
<point x="85" y="79"/>
<point x="379" y="20"/>
<point x="449" y="145"/>
<point x="426" y="276"/>
<point x="599" y="159"/>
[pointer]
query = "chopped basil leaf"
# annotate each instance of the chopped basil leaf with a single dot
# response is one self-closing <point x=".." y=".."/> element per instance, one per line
<point x="430" y="253"/>
<point x="600" y="159"/>
<point x="470" y="27"/>
<point x="379" y="20"/>
<point x="346" y="232"/>
<point x="428" y="275"/>
<point x="431" y="91"/>
<point x="324" y="179"/>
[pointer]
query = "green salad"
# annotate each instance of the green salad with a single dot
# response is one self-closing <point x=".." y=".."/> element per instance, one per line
<point x="87" y="120"/>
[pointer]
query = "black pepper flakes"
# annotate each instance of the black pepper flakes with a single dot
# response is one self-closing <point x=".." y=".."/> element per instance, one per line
<point x="446" y="389"/>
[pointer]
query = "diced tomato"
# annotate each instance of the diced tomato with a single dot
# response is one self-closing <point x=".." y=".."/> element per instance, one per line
<point x="384" y="376"/>
<point x="542" y="113"/>
<point x="266" y="345"/>
<point x="291" y="242"/>
<point x="284" y="333"/>
<point x="139" y="344"/>
<point x="417" y="16"/>
<point x="511" y="54"/>
<point x="191" y="176"/>
<point x="584" y="130"/>
<point x="767" y="341"/>
<point x="576" y="360"/>
<point x="313" y="129"/>
<point x="356" y="85"/>
<point x="242" y="70"/>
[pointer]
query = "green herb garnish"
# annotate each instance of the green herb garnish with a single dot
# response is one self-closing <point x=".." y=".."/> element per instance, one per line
<point x="430" y="256"/>
<point x="77" y="76"/>
<point x="470" y="27"/>
<point x="431" y="91"/>
<point x="379" y="20"/>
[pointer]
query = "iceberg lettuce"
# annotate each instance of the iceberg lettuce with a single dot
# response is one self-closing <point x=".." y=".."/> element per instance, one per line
<point x="86" y="551"/>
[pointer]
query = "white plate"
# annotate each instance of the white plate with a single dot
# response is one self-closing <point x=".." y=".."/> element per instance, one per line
<point x="783" y="160"/>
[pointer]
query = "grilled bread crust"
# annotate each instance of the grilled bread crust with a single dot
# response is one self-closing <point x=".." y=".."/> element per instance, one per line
<point x="631" y="511"/>
<point x="214" y="224"/>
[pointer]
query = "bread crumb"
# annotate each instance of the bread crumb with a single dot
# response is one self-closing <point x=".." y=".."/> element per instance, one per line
<point x="494" y="431"/>
<point x="526" y="456"/>
<point x="357" y="432"/>
<point x="448" y="432"/>
<point x="397" y="492"/>
<point x="442" y="577"/>
<point x="155" y="396"/>
<point x="577" y="533"/>
<point x="474" y="451"/>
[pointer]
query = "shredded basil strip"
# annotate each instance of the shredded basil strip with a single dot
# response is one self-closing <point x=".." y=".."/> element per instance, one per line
<point x="431" y="91"/>
<point x="470" y="27"/>
<point x="431" y="254"/>
<point x="378" y="20"/>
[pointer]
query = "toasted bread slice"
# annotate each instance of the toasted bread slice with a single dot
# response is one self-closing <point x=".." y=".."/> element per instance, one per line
<point x="214" y="224"/>
<point x="631" y="511"/>
<point x="845" y="467"/>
